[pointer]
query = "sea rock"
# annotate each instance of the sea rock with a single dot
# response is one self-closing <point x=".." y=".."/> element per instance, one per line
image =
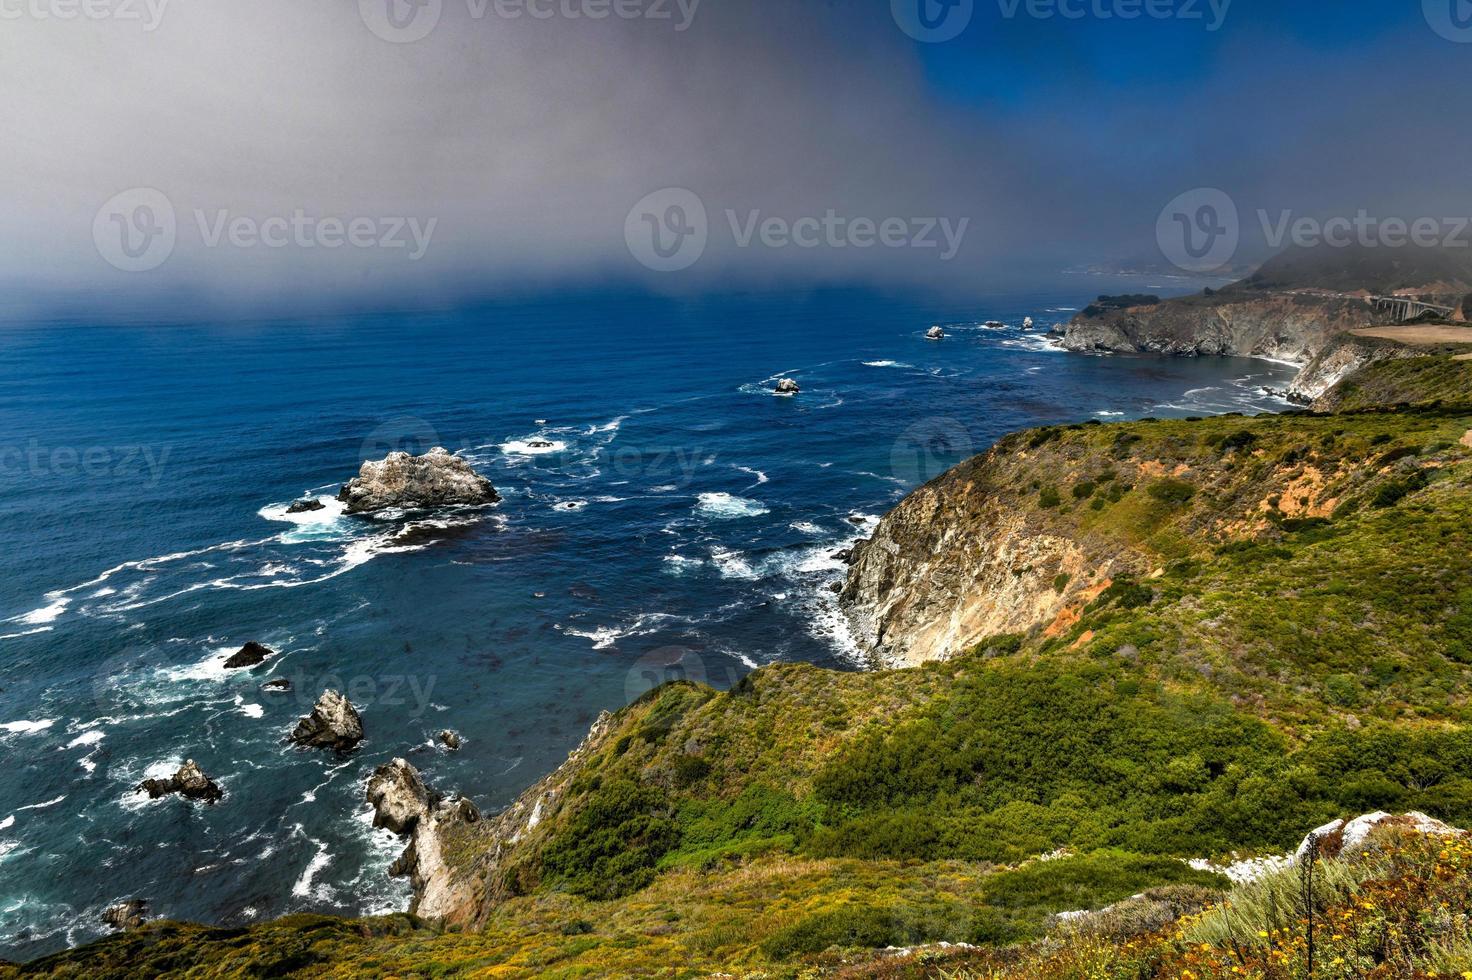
<point x="398" y="795"/>
<point x="129" y="914"/>
<point x="249" y="655"/>
<point x="279" y="685"/>
<point x="539" y="444"/>
<point x="787" y="387"/>
<point x="450" y="739"/>
<point x="935" y="333"/>
<point x="189" y="782"/>
<point x="1339" y="836"/>
<point x="436" y="479"/>
<point x="1027" y="323"/>
<point x="333" y="724"/>
<point x="306" y="506"/>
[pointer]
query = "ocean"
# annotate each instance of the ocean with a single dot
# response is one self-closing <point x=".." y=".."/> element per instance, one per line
<point x="665" y="516"/>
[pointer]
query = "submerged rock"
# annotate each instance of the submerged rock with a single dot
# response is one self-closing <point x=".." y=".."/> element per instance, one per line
<point x="249" y="655"/>
<point x="279" y="685"/>
<point x="333" y="724"/>
<point x="128" y="914"/>
<point x="398" y="795"/>
<point x="189" y="782"/>
<point x="451" y="739"/>
<point x="437" y="479"/>
<point x="935" y="333"/>
<point x="787" y="387"/>
<point x="306" y="506"/>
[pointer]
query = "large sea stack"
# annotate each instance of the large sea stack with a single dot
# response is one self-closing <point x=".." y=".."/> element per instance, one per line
<point x="439" y="478"/>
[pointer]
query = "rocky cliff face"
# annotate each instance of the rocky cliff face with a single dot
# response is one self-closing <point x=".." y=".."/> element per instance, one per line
<point x="461" y="866"/>
<point x="981" y="552"/>
<point x="964" y="558"/>
<point x="1233" y="322"/>
<point x="1341" y="358"/>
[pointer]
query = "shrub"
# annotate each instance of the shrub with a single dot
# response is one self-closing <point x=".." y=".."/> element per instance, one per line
<point x="1084" y="490"/>
<point x="1048" y="498"/>
<point x="612" y="843"/>
<point x="1172" y="492"/>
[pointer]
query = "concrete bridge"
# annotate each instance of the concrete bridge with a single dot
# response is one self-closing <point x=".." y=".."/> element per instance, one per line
<point x="1404" y="309"/>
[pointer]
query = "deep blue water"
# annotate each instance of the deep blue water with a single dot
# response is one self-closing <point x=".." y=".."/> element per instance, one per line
<point x="682" y="526"/>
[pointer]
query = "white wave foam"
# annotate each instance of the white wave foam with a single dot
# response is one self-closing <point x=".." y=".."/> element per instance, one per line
<point x="806" y="527"/>
<point x="887" y="364"/>
<point x="533" y="446"/>
<point x="86" y="738"/>
<point x="605" y="637"/>
<point x="46" y="614"/>
<point x="726" y="506"/>
<point x="252" y="710"/>
<point x="332" y="509"/>
<point x="1105" y="414"/>
<point x="679" y="564"/>
<point x="42" y="806"/>
<point x="758" y="475"/>
<point x="7" y="823"/>
<point x="26" y="727"/>
<point x="16" y="636"/>
<point x="733" y="564"/>
<point x="612" y="426"/>
<point x="320" y="860"/>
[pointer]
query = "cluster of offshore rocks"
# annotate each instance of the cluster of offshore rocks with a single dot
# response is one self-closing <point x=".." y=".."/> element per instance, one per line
<point x="402" y="803"/>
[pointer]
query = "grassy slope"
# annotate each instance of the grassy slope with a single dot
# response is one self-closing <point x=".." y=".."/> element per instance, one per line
<point x="1440" y="378"/>
<point x="1300" y="655"/>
